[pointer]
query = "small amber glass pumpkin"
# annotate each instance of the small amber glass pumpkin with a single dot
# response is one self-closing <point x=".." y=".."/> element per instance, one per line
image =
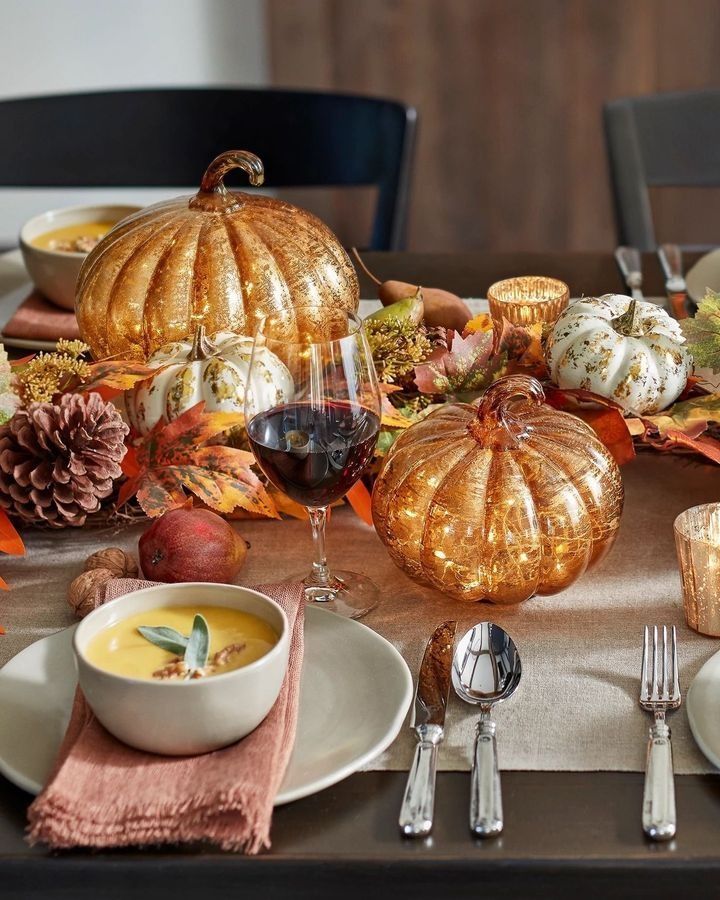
<point x="219" y="259"/>
<point x="498" y="501"/>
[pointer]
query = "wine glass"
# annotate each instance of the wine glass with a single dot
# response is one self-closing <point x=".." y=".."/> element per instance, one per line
<point x="313" y="425"/>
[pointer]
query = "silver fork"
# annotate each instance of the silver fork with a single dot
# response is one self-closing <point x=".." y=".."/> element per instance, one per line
<point x="659" y="694"/>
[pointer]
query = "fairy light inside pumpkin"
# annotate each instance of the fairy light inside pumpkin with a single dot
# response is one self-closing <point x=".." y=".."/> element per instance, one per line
<point x="489" y="476"/>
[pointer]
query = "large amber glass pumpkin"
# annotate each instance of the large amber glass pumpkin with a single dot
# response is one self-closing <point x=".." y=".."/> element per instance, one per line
<point x="498" y="501"/>
<point x="219" y="259"/>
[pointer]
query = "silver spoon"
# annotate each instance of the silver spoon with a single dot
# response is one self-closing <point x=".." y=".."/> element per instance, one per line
<point x="486" y="670"/>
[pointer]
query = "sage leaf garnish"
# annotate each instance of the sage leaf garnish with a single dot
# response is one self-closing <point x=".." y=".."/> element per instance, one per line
<point x="166" y="638"/>
<point x="198" y="645"/>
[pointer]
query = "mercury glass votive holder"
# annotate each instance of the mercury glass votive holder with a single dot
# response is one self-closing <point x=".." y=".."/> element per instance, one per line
<point x="527" y="299"/>
<point x="697" y="538"/>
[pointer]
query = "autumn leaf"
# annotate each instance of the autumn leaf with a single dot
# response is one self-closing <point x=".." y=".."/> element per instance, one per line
<point x="468" y="366"/>
<point x="523" y="347"/>
<point x="10" y="543"/>
<point x="174" y="458"/>
<point x="286" y="505"/>
<point x="605" y="417"/>
<point x="705" y="446"/>
<point x="702" y="332"/>
<point x="10" y="540"/>
<point x="689" y="415"/>
<point x="359" y="498"/>
<point x="480" y="323"/>
<point x="111" y="377"/>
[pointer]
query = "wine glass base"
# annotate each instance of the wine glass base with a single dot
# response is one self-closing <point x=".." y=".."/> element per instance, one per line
<point x="349" y="594"/>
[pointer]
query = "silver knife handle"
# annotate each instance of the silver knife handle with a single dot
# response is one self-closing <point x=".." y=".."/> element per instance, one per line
<point x="416" y="812"/>
<point x="659" y="818"/>
<point x="671" y="260"/>
<point x="630" y="265"/>
<point x="486" y="812"/>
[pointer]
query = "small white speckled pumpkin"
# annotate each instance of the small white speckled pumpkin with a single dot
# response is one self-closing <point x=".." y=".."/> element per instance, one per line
<point x="629" y="351"/>
<point x="213" y="369"/>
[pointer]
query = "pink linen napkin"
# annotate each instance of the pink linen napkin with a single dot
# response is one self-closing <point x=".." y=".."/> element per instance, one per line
<point x="103" y="793"/>
<point x="38" y="319"/>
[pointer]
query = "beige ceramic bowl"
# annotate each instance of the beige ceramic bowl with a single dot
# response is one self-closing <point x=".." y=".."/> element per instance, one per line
<point x="55" y="272"/>
<point x="179" y="718"/>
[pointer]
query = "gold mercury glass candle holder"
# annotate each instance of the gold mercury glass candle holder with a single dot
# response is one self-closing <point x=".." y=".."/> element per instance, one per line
<point x="697" y="538"/>
<point x="527" y="299"/>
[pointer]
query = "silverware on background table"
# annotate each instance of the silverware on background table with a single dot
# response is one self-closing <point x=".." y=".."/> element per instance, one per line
<point x="670" y="256"/>
<point x="416" y="813"/>
<point x="659" y="694"/>
<point x="629" y="263"/>
<point x="486" y="670"/>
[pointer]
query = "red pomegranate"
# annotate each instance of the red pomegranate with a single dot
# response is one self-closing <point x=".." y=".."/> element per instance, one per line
<point x="191" y="545"/>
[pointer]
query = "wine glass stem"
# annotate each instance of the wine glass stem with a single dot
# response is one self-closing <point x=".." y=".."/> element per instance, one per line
<point x="318" y="519"/>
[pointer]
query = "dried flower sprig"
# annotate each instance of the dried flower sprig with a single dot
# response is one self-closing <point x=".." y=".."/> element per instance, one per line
<point x="397" y="346"/>
<point x="47" y="374"/>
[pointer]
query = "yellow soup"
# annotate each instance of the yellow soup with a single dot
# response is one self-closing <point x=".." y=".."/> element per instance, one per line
<point x="79" y="238"/>
<point x="236" y="639"/>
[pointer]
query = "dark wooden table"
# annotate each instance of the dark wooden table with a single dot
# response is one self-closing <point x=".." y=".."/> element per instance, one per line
<point x="567" y="834"/>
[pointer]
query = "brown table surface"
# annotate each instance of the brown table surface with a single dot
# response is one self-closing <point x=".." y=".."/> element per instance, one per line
<point x="566" y="833"/>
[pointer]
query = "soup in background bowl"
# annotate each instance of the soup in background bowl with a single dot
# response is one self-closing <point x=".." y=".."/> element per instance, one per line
<point x="182" y="716"/>
<point x="55" y="243"/>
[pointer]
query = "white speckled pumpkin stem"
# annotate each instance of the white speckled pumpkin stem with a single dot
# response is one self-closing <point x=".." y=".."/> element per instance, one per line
<point x="201" y="348"/>
<point x="628" y="322"/>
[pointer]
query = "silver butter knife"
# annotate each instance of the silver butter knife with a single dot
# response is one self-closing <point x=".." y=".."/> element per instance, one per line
<point x="416" y="813"/>
<point x="670" y="256"/>
<point x="628" y="260"/>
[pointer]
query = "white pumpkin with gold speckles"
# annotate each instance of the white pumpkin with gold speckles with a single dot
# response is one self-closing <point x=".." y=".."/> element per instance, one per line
<point x="629" y="351"/>
<point x="213" y="369"/>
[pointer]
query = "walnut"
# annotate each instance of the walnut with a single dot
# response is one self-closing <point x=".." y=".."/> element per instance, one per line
<point x="87" y="590"/>
<point x="222" y="656"/>
<point x="176" y="668"/>
<point x="120" y="563"/>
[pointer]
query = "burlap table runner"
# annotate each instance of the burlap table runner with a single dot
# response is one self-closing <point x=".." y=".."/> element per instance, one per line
<point x="576" y="708"/>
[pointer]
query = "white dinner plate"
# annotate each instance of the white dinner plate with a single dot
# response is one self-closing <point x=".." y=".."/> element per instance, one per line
<point x="355" y="691"/>
<point x="703" y="275"/>
<point x="703" y="709"/>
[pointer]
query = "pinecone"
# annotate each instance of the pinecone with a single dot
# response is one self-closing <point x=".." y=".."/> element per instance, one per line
<point x="59" y="460"/>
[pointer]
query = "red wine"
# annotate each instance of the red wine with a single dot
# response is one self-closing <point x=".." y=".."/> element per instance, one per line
<point x="314" y="455"/>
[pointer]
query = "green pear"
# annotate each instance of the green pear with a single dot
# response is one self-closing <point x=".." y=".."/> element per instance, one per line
<point x="411" y="308"/>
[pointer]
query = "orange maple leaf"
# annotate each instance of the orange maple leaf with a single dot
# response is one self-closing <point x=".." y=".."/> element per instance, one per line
<point x="175" y="457"/>
<point x="111" y="377"/>
<point x="10" y="540"/>
<point x="359" y="498"/>
<point x="10" y="543"/>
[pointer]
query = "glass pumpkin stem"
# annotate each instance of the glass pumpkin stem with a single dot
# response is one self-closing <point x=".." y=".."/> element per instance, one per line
<point x="320" y="572"/>
<point x="212" y="182"/>
<point x="495" y="426"/>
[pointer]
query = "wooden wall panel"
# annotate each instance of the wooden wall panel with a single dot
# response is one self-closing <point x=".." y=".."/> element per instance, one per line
<point x="510" y="153"/>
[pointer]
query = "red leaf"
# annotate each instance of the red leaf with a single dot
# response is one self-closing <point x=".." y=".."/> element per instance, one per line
<point x="610" y="426"/>
<point x="608" y="422"/>
<point x="706" y="446"/>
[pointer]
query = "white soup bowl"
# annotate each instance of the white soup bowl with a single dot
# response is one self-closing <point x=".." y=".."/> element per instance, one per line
<point x="55" y="272"/>
<point x="177" y="717"/>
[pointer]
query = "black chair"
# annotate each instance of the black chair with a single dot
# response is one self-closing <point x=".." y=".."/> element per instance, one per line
<point x="661" y="140"/>
<point x="166" y="137"/>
